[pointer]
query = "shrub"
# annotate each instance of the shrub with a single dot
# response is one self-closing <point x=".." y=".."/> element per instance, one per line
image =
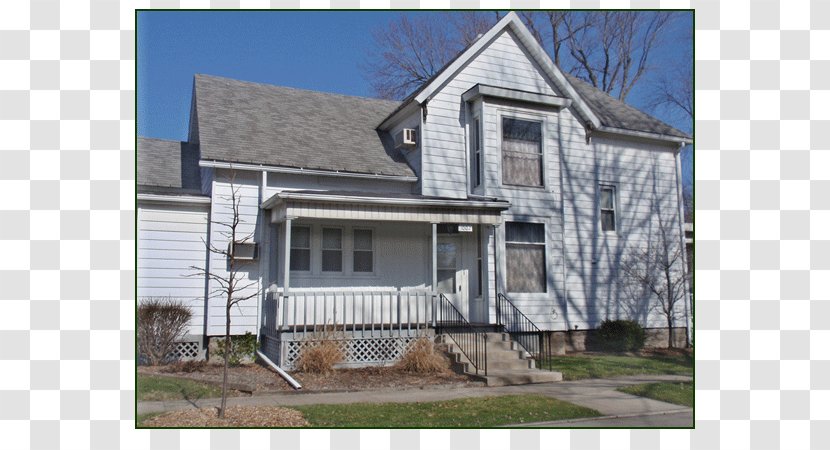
<point x="319" y="357"/>
<point x="161" y="321"/>
<point x="621" y="335"/>
<point x="421" y="357"/>
<point x="243" y="348"/>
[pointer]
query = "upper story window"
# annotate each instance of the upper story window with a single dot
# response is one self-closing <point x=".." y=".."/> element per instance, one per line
<point x="301" y="248"/>
<point x="525" y="245"/>
<point x="521" y="149"/>
<point x="332" y="250"/>
<point x="608" y="207"/>
<point x="476" y="149"/>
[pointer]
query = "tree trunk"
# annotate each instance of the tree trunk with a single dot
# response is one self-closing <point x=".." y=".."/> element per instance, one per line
<point x="227" y="359"/>
<point x="671" y="334"/>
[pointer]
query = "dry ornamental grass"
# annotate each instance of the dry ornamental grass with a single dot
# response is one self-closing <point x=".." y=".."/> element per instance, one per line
<point x="319" y="357"/>
<point x="421" y="357"/>
<point x="235" y="416"/>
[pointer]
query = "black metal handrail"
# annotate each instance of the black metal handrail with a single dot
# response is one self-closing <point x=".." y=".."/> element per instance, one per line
<point x="522" y="330"/>
<point x="471" y="342"/>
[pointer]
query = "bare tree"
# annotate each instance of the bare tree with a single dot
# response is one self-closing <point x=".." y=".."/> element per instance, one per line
<point x="231" y="284"/>
<point x="656" y="275"/>
<point x="610" y="49"/>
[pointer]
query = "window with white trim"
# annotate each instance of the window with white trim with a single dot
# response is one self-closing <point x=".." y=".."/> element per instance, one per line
<point x="608" y="207"/>
<point x="332" y="247"/>
<point x="363" y="251"/>
<point x="300" y="248"/>
<point x="525" y="246"/>
<point x="521" y="150"/>
<point x="477" y="161"/>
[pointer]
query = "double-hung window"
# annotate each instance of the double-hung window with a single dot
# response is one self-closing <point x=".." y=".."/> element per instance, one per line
<point x="332" y="250"/>
<point x="477" y="160"/>
<point x="301" y="248"/>
<point x="608" y="207"/>
<point x="363" y="257"/>
<point x="521" y="150"/>
<point x="525" y="245"/>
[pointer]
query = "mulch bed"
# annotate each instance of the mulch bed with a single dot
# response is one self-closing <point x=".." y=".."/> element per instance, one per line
<point x="235" y="416"/>
<point x="257" y="379"/>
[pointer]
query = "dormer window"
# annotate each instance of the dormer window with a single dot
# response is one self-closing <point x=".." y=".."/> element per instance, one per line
<point x="521" y="149"/>
<point x="477" y="161"/>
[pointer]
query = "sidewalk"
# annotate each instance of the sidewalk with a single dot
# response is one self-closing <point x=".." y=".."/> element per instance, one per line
<point x="598" y="394"/>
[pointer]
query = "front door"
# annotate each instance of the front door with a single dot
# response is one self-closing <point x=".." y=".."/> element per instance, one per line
<point x="452" y="277"/>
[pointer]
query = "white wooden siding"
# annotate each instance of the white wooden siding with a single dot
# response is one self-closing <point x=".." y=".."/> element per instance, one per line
<point x="504" y="63"/>
<point x="171" y="241"/>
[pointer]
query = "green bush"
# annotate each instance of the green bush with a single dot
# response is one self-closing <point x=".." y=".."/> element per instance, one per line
<point x="243" y="348"/>
<point x="621" y="335"/>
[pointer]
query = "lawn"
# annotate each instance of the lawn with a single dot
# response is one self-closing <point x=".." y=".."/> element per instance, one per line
<point x="468" y="412"/>
<point x="677" y="393"/>
<point x="578" y="367"/>
<point x="153" y="388"/>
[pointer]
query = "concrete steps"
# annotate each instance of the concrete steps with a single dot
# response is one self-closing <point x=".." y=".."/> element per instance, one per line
<point x="507" y="363"/>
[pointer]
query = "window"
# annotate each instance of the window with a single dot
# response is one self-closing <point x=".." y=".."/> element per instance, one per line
<point x="332" y="250"/>
<point x="521" y="149"/>
<point x="479" y="266"/>
<point x="477" y="161"/>
<point x="608" y="208"/>
<point x="525" y="244"/>
<point x="363" y="258"/>
<point x="300" y="248"/>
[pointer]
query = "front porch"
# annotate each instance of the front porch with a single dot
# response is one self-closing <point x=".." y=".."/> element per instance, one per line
<point x="368" y="271"/>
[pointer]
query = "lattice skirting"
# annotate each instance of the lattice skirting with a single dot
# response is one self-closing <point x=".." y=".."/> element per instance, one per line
<point x="357" y="352"/>
<point x="186" y="350"/>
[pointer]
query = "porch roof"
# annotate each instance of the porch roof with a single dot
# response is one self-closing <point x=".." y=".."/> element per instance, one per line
<point x="383" y="207"/>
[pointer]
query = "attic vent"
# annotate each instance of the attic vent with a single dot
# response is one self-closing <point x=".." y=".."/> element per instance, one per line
<point x="407" y="137"/>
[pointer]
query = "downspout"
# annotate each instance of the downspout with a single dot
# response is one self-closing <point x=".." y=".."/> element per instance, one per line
<point x="279" y="370"/>
<point x="263" y="255"/>
<point x="686" y="301"/>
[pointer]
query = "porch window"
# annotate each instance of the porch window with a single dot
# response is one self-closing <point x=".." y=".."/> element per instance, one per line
<point x="521" y="149"/>
<point x="525" y="245"/>
<point x="301" y="248"/>
<point x="608" y="207"/>
<point x="332" y="250"/>
<point x="363" y="258"/>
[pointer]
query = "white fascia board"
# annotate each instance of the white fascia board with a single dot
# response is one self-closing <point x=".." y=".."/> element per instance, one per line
<point x="646" y="135"/>
<point x="399" y="115"/>
<point x="166" y="198"/>
<point x="302" y="171"/>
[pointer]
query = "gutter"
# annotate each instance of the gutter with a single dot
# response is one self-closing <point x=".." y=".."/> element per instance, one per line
<point x="383" y="201"/>
<point x="279" y="370"/>
<point x="643" y="134"/>
<point x="302" y="171"/>
<point x="173" y="198"/>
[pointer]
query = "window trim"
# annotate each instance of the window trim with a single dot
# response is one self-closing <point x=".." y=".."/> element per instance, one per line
<point x="601" y="186"/>
<point x="528" y="116"/>
<point x="477" y="153"/>
<point x="342" y="249"/>
<point x="373" y="250"/>
<point x="543" y="245"/>
<point x="309" y="248"/>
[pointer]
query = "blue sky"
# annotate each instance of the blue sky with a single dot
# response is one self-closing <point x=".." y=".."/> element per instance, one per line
<point x="320" y="51"/>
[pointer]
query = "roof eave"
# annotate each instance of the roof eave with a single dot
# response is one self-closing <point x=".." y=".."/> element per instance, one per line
<point x="303" y="171"/>
<point x="646" y="135"/>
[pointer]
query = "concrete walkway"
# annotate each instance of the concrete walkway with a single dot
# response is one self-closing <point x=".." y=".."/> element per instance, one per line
<point x="598" y="394"/>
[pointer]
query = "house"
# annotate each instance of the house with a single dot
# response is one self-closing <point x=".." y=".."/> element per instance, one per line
<point x="502" y="192"/>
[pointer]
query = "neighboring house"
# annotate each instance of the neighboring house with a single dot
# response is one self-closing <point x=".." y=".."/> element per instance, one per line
<point x="500" y="176"/>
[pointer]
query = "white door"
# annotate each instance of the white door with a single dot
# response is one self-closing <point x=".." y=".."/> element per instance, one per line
<point x="452" y="277"/>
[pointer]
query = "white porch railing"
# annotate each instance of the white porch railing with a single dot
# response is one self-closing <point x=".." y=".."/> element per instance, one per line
<point x="370" y="313"/>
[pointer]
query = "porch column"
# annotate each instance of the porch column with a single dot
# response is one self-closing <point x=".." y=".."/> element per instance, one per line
<point x="434" y="270"/>
<point x="286" y="257"/>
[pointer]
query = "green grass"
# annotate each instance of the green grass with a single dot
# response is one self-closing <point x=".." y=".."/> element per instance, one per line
<point x="468" y="412"/>
<point x="677" y="393"/>
<point x="139" y="419"/>
<point x="603" y="366"/>
<point x="153" y="388"/>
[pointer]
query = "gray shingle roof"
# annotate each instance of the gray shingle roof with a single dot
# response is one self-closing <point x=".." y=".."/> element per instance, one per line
<point x="167" y="165"/>
<point x="257" y="123"/>
<point x="616" y="114"/>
